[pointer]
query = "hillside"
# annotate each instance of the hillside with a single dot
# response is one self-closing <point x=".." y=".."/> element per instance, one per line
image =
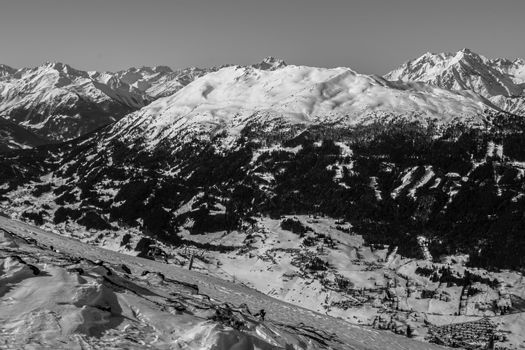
<point x="91" y="297"/>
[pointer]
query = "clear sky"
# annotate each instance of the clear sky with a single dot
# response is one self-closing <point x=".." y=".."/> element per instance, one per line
<point x="370" y="36"/>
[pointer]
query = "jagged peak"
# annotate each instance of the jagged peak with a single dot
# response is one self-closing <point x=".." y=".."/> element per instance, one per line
<point x="464" y="53"/>
<point x="467" y="51"/>
<point x="162" y="69"/>
<point x="464" y="70"/>
<point x="56" y="65"/>
<point x="469" y="55"/>
<point x="62" y="68"/>
<point x="272" y="59"/>
<point x="441" y="60"/>
<point x="270" y="63"/>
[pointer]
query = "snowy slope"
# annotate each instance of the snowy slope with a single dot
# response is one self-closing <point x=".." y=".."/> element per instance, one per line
<point x="91" y="297"/>
<point x="501" y="81"/>
<point x="233" y="97"/>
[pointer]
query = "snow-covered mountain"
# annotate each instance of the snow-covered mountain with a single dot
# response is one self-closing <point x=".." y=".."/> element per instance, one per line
<point x="270" y="63"/>
<point x="58" y="102"/>
<point x="501" y="81"/>
<point x="234" y="97"/>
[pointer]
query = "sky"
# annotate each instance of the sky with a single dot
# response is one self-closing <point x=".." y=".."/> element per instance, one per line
<point x="369" y="36"/>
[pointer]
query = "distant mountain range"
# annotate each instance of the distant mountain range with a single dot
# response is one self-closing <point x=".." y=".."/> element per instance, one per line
<point x="55" y="102"/>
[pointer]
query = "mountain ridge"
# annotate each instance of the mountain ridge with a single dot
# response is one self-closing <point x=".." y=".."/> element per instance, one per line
<point x="59" y="102"/>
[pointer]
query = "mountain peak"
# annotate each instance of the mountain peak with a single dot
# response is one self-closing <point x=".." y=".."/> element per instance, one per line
<point x="467" y="54"/>
<point x="467" y="51"/>
<point x="270" y="63"/>
<point x="162" y="69"/>
<point x="55" y="65"/>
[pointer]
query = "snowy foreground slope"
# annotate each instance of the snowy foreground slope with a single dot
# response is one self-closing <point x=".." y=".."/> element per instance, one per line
<point x="62" y="294"/>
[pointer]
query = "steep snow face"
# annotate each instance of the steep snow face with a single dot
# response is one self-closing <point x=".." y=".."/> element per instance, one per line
<point x="59" y="102"/>
<point x="499" y="80"/>
<point x="231" y="98"/>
